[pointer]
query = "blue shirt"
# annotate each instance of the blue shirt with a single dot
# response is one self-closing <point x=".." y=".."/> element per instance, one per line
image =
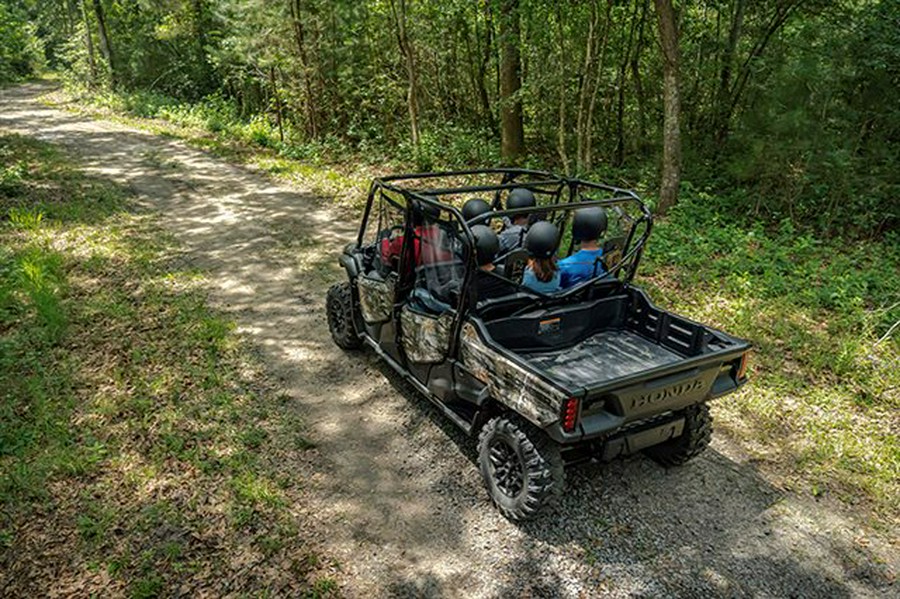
<point x="580" y="267"/>
<point x="530" y="280"/>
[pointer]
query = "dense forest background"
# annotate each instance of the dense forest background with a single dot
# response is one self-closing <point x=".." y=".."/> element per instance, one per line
<point x="785" y="109"/>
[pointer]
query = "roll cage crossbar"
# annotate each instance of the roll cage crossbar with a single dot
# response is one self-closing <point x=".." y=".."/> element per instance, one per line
<point x="542" y="183"/>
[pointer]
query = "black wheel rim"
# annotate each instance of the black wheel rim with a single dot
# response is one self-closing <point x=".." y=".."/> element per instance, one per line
<point x="509" y="476"/>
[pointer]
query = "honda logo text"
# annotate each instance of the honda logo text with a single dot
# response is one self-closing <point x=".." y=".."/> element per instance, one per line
<point x="654" y="397"/>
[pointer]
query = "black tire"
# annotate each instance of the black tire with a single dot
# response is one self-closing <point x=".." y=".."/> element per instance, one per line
<point x="339" y="307"/>
<point x="692" y="442"/>
<point x="521" y="466"/>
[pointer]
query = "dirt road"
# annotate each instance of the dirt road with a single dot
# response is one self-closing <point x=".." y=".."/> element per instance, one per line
<point x="396" y="497"/>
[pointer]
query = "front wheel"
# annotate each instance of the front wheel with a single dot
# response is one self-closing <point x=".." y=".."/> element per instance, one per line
<point x="692" y="442"/>
<point x="339" y="308"/>
<point x="522" y="468"/>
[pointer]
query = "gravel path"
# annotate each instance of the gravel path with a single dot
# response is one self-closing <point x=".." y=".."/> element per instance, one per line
<point x="394" y="494"/>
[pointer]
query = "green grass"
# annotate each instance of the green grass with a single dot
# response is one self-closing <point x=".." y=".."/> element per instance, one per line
<point x="132" y="422"/>
<point x="821" y="410"/>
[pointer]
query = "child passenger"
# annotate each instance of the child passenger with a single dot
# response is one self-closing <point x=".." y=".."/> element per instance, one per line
<point x="542" y="273"/>
<point x="588" y="226"/>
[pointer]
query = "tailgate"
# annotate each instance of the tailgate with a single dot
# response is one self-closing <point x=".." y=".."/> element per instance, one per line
<point x="643" y="399"/>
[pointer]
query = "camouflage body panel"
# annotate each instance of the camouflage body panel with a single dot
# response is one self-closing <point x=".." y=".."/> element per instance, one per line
<point x="425" y="338"/>
<point x="509" y="383"/>
<point x="376" y="299"/>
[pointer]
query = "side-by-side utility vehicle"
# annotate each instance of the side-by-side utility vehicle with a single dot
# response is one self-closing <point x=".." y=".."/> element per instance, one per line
<point x="591" y="371"/>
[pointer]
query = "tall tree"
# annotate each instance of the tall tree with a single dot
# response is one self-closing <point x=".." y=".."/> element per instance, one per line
<point x="671" y="163"/>
<point x="398" y="10"/>
<point x="89" y="44"/>
<point x="105" y="46"/>
<point x="512" y="134"/>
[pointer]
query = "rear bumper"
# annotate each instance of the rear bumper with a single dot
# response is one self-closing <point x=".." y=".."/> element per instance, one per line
<point x="627" y="440"/>
<point x="613" y="415"/>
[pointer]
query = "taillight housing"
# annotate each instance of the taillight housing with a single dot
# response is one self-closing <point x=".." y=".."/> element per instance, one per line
<point x="742" y="369"/>
<point x="570" y="414"/>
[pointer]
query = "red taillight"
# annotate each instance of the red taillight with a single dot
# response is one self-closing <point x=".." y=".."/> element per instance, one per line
<point x="570" y="414"/>
<point x="742" y="369"/>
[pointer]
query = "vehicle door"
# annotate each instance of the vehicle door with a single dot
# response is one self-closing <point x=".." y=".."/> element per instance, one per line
<point x="386" y="274"/>
<point x="430" y="311"/>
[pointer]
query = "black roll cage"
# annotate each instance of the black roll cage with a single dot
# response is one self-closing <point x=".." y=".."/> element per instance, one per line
<point x="535" y="180"/>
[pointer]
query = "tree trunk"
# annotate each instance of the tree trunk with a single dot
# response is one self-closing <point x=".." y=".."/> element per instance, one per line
<point x="105" y="46"/>
<point x="412" y="95"/>
<point x="512" y="134"/>
<point x="671" y="165"/>
<point x="584" y="90"/>
<point x="201" y="23"/>
<point x="561" y="125"/>
<point x="619" y="159"/>
<point x="278" y="110"/>
<point x="312" y="118"/>
<point x="723" y="94"/>
<point x="780" y="15"/>
<point x="587" y="160"/>
<point x="638" y="81"/>
<point x="89" y="43"/>
<point x="71" y="17"/>
<point x="490" y="121"/>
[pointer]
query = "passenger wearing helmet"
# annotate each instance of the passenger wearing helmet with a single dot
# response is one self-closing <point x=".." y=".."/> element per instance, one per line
<point x="588" y="226"/>
<point x="512" y="236"/>
<point x="474" y="207"/>
<point x="542" y="273"/>
<point x="488" y="284"/>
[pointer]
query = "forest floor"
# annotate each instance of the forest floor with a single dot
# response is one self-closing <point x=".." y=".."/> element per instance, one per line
<point x="343" y="478"/>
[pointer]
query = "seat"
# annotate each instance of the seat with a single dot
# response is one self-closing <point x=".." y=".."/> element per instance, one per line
<point x="514" y="264"/>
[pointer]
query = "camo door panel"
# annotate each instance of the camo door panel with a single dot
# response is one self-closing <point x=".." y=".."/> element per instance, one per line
<point x="376" y="299"/>
<point x="425" y="337"/>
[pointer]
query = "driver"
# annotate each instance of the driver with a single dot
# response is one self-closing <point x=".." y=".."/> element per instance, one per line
<point x="429" y="244"/>
<point x="588" y="226"/>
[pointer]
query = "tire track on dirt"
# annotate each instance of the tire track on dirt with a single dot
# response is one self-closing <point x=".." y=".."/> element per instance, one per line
<point x="394" y="494"/>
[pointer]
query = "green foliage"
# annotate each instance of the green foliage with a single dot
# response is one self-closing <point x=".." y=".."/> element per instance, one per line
<point x="819" y="145"/>
<point x="824" y="381"/>
<point x="794" y="109"/>
<point x="21" y="54"/>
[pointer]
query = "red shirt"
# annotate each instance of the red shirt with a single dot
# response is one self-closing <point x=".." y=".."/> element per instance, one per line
<point x="427" y="246"/>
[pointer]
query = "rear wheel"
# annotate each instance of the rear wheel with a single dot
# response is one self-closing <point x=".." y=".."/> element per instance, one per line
<point x="521" y="467"/>
<point x="692" y="442"/>
<point x="339" y="307"/>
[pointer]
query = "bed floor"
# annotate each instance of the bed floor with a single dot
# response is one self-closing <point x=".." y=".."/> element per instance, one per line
<point x="602" y="357"/>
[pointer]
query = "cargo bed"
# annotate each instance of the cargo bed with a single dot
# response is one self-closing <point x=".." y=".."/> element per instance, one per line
<point x="602" y="357"/>
<point x="623" y="337"/>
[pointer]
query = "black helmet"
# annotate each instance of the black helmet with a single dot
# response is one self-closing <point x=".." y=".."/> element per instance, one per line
<point x="541" y="239"/>
<point x="486" y="244"/>
<point x="520" y="198"/>
<point x="423" y="212"/>
<point x="474" y="207"/>
<point x="588" y="224"/>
